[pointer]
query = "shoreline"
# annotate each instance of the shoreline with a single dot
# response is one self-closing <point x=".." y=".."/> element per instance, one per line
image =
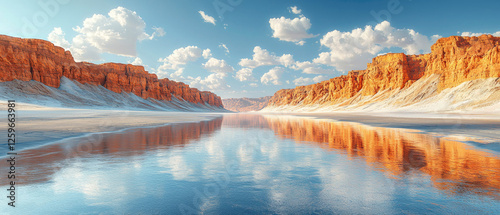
<point x="46" y="126"/>
<point x="481" y="132"/>
<point x="40" y="126"/>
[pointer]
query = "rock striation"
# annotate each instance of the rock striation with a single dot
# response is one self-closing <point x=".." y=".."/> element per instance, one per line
<point x="245" y="104"/>
<point x="454" y="60"/>
<point x="40" y="60"/>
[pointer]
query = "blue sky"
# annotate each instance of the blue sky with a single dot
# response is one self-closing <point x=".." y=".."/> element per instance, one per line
<point x="271" y="45"/>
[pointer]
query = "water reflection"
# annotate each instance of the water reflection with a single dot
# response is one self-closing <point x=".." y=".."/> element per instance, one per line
<point x="40" y="164"/>
<point x="453" y="166"/>
<point x="245" y="163"/>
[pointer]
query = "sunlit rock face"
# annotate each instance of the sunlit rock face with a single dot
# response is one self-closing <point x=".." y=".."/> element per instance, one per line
<point x="40" y="60"/>
<point x="453" y="60"/>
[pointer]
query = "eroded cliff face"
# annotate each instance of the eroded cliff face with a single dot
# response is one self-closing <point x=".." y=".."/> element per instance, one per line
<point x="454" y="60"/>
<point x="40" y="60"/>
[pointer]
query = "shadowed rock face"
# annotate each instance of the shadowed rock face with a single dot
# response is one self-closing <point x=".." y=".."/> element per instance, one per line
<point x="246" y="104"/>
<point x="454" y="59"/>
<point x="40" y="60"/>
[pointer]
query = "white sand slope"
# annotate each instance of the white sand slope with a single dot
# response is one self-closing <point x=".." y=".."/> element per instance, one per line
<point x="72" y="94"/>
<point x="478" y="96"/>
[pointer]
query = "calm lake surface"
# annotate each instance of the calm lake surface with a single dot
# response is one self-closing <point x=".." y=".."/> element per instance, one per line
<point x="257" y="164"/>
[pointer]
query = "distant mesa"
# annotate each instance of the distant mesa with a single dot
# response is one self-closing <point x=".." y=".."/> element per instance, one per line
<point x="460" y="74"/>
<point x="246" y="104"/>
<point x="42" y="61"/>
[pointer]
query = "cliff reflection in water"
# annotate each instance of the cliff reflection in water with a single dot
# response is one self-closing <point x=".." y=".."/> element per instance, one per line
<point x="453" y="166"/>
<point x="39" y="164"/>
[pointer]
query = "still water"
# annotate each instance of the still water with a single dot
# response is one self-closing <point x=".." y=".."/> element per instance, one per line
<point x="255" y="164"/>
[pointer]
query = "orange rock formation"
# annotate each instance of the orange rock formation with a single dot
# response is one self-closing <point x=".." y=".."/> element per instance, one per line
<point x="40" y="60"/>
<point x="455" y="59"/>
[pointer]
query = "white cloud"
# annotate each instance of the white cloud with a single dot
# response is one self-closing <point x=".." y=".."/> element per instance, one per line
<point x="222" y="45"/>
<point x="206" y="17"/>
<point x="217" y="66"/>
<point x="83" y="51"/>
<point x="352" y="50"/>
<point x="291" y="30"/>
<point x="471" y="34"/>
<point x="244" y="74"/>
<point x="262" y="57"/>
<point x="216" y="80"/>
<point x="159" y="32"/>
<point x="273" y="76"/>
<point x="177" y="60"/>
<point x="137" y="61"/>
<point x="320" y="78"/>
<point x="295" y="10"/>
<point x="212" y="82"/>
<point x="254" y="85"/>
<point x="180" y="57"/>
<point x="308" y="67"/>
<point x="207" y="53"/>
<point x="302" y="81"/>
<point x="116" y="33"/>
<point x="177" y="75"/>
<point x="57" y="37"/>
<point x="305" y="81"/>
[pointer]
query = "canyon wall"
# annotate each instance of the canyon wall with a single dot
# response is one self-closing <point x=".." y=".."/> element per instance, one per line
<point x="40" y="60"/>
<point x="454" y="60"/>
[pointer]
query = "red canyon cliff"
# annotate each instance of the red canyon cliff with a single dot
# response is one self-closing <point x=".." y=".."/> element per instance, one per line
<point x="468" y="66"/>
<point x="39" y="60"/>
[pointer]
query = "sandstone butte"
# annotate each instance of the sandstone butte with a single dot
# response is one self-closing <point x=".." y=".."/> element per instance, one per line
<point x="40" y="60"/>
<point x="455" y="59"/>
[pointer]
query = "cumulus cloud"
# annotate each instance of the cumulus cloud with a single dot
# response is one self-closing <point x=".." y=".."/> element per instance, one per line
<point x="212" y="82"/>
<point x="471" y="34"/>
<point x="57" y="37"/>
<point x="244" y="74"/>
<point x="117" y="33"/>
<point x="173" y="65"/>
<point x="352" y="50"/>
<point x="273" y="76"/>
<point x="206" y="17"/>
<point x="295" y="10"/>
<point x="262" y="57"/>
<point x="218" y="66"/>
<point x="291" y="30"/>
<point x="207" y="53"/>
<point x="305" y="81"/>
<point x="137" y="61"/>
<point x="308" y="67"/>
<point x="180" y="57"/>
<point x="216" y="80"/>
